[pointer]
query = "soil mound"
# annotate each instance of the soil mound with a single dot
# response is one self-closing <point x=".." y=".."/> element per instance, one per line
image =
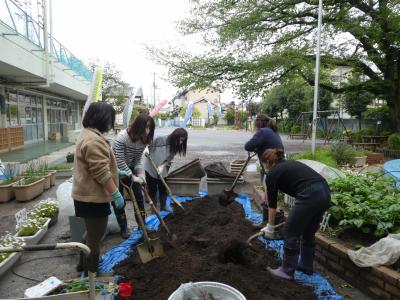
<point x="210" y="247"/>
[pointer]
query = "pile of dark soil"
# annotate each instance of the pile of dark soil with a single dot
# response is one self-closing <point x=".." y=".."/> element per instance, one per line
<point x="210" y="247"/>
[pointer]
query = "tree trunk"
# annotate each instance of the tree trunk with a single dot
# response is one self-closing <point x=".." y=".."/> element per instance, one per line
<point x="392" y="77"/>
<point x="359" y="123"/>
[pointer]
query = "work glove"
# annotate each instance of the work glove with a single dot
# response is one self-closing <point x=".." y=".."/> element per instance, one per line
<point x="161" y="168"/>
<point x="122" y="173"/>
<point x="269" y="232"/>
<point x="146" y="151"/>
<point x="138" y="179"/>
<point x="118" y="199"/>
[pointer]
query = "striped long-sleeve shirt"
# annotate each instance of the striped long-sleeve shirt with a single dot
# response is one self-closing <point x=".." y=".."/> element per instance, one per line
<point x="128" y="154"/>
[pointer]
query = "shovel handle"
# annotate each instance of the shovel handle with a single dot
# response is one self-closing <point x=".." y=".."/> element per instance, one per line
<point x="164" y="183"/>
<point x="155" y="210"/>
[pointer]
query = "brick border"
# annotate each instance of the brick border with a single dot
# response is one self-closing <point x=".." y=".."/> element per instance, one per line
<point x="378" y="282"/>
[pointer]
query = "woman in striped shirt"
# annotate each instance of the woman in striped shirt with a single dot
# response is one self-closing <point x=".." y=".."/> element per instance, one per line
<point x="128" y="148"/>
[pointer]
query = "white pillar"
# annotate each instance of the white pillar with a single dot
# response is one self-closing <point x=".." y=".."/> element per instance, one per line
<point x="45" y="122"/>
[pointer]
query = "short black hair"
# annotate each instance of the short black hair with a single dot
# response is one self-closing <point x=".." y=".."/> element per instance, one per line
<point x="100" y="115"/>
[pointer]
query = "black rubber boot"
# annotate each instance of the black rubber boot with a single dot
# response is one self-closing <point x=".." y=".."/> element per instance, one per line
<point x="306" y="262"/>
<point x="123" y="223"/>
<point x="81" y="263"/>
<point x="93" y="262"/>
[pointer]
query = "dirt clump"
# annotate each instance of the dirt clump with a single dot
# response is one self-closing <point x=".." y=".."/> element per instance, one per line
<point x="211" y="246"/>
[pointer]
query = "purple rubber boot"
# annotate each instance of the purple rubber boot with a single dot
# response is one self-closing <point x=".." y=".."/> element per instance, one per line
<point x="286" y="271"/>
<point x="306" y="262"/>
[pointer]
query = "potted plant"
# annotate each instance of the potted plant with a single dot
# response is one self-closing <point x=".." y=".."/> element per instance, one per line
<point x="7" y="260"/>
<point x="28" y="188"/>
<point x="70" y="157"/>
<point x="33" y="229"/>
<point x="6" y="188"/>
<point x="343" y="154"/>
<point x="38" y="168"/>
<point x="47" y="209"/>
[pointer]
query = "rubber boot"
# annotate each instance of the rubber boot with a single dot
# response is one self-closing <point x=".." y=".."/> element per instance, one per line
<point x="286" y="271"/>
<point x="123" y="223"/>
<point x="306" y="262"/>
<point x="81" y="263"/>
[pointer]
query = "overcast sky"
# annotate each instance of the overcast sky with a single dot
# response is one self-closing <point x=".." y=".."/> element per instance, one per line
<point x="116" y="30"/>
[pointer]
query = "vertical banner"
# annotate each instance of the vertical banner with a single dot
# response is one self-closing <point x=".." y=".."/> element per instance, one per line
<point x="219" y="111"/>
<point x="188" y="114"/>
<point x="209" y="109"/>
<point x="157" y="108"/>
<point x="127" y="114"/>
<point x="95" y="89"/>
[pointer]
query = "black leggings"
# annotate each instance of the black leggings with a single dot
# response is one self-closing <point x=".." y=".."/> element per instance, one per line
<point x="155" y="185"/>
<point x="305" y="216"/>
<point x="137" y="191"/>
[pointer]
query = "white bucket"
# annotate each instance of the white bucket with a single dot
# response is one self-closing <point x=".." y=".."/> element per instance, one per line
<point x="198" y="290"/>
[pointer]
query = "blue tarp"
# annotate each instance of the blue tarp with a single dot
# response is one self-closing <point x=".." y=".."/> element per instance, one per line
<point x="323" y="289"/>
<point x="392" y="168"/>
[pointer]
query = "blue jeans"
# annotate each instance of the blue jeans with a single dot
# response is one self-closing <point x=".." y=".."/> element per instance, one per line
<point x="304" y="218"/>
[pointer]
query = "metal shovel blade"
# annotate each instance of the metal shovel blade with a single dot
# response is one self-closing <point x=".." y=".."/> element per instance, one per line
<point x="227" y="197"/>
<point x="150" y="250"/>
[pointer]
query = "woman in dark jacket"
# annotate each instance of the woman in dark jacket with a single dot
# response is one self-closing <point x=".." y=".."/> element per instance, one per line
<point x="312" y="200"/>
<point x="266" y="136"/>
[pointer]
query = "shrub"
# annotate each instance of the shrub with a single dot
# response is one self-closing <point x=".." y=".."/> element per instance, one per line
<point x="343" y="154"/>
<point x="321" y="154"/>
<point x="394" y="141"/>
<point x="295" y="129"/>
<point x="285" y="125"/>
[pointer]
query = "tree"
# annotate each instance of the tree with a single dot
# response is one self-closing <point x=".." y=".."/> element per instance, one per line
<point x="356" y="103"/>
<point x="252" y="45"/>
<point x="113" y="87"/>
<point x="230" y="116"/>
<point x="196" y="113"/>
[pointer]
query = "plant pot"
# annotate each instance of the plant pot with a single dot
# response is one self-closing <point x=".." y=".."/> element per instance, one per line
<point x="35" y="239"/>
<point x="184" y="186"/>
<point x="53" y="220"/>
<point x="9" y="262"/>
<point x="62" y="174"/>
<point x="6" y="192"/>
<point x="375" y="158"/>
<point x="360" y="161"/>
<point x="46" y="181"/>
<point x="28" y="192"/>
<point x="53" y="177"/>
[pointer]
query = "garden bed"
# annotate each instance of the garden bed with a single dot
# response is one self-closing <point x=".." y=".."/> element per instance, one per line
<point x="210" y="248"/>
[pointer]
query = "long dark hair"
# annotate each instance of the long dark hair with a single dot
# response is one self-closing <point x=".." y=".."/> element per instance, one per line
<point x="137" y="131"/>
<point x="263" y="121"/>
<point x="174" y="141"/>
<point x="100" y="115"/>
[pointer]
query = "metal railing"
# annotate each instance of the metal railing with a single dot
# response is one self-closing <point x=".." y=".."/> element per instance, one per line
<point x="23" y="24"/>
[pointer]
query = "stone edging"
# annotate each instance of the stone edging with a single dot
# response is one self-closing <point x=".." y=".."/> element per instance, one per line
<point x="379" y="282"/>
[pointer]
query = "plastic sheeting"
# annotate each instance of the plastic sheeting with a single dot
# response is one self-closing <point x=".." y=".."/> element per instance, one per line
<point x="323" y="289"/>
<point x="386" y="251"/>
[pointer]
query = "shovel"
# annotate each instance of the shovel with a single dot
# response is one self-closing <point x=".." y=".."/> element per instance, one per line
<point x="172" y="237"/>
<point x="164" y="183"/>
<point x="260" y="233"/>
<point x="229" y="195"/>
<point x="151" y="248"/>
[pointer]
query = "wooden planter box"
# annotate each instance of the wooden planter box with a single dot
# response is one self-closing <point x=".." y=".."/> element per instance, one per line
<point x="28" y="192"/>
<point x="6" y="192"/>
<point x="9" y="262"/>
<point x="392" y="153"/>
<point x="375" y="158"/>
<point x="378" y="282"/>
<point x="35" y="239"/>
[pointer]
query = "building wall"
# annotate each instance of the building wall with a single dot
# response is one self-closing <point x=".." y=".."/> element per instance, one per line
<point x="41" y="114"/>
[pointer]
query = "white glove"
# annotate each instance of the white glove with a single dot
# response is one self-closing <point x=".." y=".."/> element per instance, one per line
<point x="146" y="151"/>
<point x="268" y="232"/>
<point x="160" y="169"/>
<point x="138" y="179"/>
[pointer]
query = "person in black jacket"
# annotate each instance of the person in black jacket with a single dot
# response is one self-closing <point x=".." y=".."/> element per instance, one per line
<point x="312" y="200"/>
<point x="266" y="137"/>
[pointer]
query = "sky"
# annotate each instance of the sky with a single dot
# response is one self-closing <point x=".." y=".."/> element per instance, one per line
<point x="117" y="30"/>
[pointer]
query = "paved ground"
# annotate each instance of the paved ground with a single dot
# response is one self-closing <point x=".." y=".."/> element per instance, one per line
<point x="208" y="145"/>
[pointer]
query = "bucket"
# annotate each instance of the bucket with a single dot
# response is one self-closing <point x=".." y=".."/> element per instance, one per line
<point x="200" y="290"/>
